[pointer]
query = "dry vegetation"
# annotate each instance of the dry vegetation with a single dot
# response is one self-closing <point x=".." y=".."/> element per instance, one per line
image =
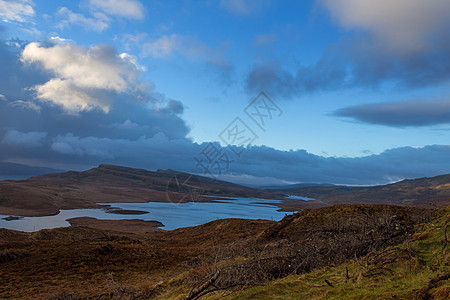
<point x="218" y="258"/>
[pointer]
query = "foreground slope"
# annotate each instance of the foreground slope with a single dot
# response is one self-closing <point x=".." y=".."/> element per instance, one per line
<point x="77" y="262"/>
<point x="416" y="269"/>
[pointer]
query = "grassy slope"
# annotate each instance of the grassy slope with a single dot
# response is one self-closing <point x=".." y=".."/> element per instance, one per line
<point x="407" y="281"/>
<point x="92" y="263"/>
<point x="431" y="192"/>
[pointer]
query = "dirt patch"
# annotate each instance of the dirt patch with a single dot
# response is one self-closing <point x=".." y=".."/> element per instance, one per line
<point x="132" y="226"/>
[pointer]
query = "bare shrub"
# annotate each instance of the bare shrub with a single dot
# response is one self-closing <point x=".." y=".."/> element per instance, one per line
<point x="63" y="296"/>
<point x="107" y="249"/>
<point x="7" y="255"/>
<point x="309" y="240"/>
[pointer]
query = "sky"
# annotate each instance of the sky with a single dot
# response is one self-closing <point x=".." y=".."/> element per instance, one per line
<point x="258" y="92"/>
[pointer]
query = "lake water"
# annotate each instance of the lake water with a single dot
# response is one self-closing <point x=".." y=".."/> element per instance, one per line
<point x="172" y="215"/>
<point x="299" y="198"/>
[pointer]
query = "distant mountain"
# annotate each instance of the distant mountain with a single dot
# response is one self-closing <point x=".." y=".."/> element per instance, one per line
<point x="19" y="171"/>
<point x="428" y="191"/>
<point x="47" y="194"/>
<point x="292" y="186"/>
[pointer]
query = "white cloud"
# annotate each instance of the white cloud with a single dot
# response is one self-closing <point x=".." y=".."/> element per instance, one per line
<point x="32" y="32"/>
<point x="265" y="39"/>
<point x="132" y="40"/>
<point x="70" y="97"/>
<point x="24" y="139"/>
<point x="99" y="23"/>
<point x="60" y="40"/>
<point x="133" y="60"/>
<point x="402" y="26"/>
<point x="83" y="76"/>
<point x="2" y="97"/>
<point x="26" y="105"/>
<point x="163" y="47"/>
<point x="244" y="7"/>
<point x="18" y="10"/>
<point x="187" y="46"/>
<point x="130" y="9"/>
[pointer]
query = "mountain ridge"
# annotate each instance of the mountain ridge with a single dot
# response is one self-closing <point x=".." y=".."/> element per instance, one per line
<point x="46" y="194"/>
<point x="15" y="171"/>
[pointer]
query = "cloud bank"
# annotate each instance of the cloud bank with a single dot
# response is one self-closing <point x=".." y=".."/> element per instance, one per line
<point x="402" y="27"/>
<point x="159" y="152"/>
<point x="16" y="10"/>
<point x="50" y="91"/>
<point x="405" y="43"/>
<point x="116" y="119"/>
<point x="401" y="114"/>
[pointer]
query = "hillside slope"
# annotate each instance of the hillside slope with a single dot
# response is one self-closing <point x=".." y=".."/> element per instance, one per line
<point x="79" y="262"/>
<point x="425" y="192"/>
<point x="416" y="269"/>
<point x="19" y="171"/>
<point x="47" y="194"/>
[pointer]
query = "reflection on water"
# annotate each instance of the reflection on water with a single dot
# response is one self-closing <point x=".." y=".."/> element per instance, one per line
<point x="172" y="215"/>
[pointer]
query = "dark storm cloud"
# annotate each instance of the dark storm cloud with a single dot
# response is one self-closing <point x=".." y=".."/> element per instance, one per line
<point x="371" y="66"/>
<point x="353" y="63"/>
<point x="408" y="113"/>
<point x="301" y="166"/>
<point x="401" y="42"/>
<point x="271" y="77"/>
<point x="158" y="152"/>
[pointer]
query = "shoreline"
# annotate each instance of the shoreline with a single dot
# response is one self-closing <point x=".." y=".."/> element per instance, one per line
<point x="97" y="218"/>
<point x="285" y="205"/>
<point x="129" y="225"/>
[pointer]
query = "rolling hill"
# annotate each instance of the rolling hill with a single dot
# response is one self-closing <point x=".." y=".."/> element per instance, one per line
<point x="426" y="192"/>
<point x="20" y="172"/>
<point x="47" y="194"/>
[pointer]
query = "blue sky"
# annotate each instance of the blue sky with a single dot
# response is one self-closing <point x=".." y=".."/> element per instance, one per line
<point x="362" y="85"/>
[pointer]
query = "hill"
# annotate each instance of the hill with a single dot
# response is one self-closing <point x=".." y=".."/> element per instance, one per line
<point x="425" y="192"/>
<point x="20" y="172"/>
<point x="387" y="250"/>
<point x="47" y="194"/>
<point x="291" y="186"/>
<point x="416" y="269"/>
